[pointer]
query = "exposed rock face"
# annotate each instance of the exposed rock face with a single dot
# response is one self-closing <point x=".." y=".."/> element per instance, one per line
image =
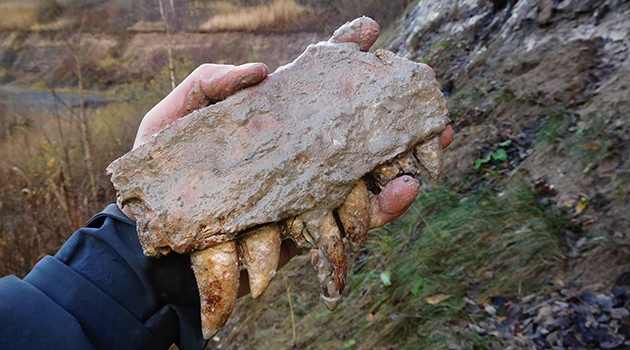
<point x="524" y="59"/>
<point x="296" y="143"/>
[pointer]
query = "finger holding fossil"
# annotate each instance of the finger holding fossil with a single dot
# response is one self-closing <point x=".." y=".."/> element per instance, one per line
<point x="363" y="31"/>
<point x="393" y="201"/>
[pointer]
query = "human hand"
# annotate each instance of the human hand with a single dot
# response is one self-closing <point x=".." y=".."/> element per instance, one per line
<point x="208" y="84"/>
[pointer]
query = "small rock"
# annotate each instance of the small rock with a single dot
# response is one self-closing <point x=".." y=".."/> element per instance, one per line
<point x="476" y="329"/>
<point x="520" y="341"/>
<point x="574" y="253"/>
<point x="589" y="298"/>
<point x="562" y="321"/>
<point x="611" y="343"/>
<point x="553" y="338"/>
<point x="546" y="12"/>
<point x="528" y="298"/>
<point x="498" y="301"/>
<point x="580" y="242"/>
<point x="513" y="310"/>
<point x="491" y="310"/>
<point x="544" y="312"/>
<point x="604" y="301"/>
<point x="619" y="313"/>
<point x="562" y="305"/>
<point x="602" y="317"/>
<point x="472" y="308"/>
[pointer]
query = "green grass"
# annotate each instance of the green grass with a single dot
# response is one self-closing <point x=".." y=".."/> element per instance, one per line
<point x="476" y="246"/>
<point x="585" y="141"/>
<point x="555" y="127"/>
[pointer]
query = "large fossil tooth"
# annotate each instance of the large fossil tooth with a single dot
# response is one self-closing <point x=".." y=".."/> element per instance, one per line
<point x="329" y="262"/>
<point x="430" y="155"/>
<point x="217" y="272"/>
<point x="260" y="252"/>
<point x="354" y="214"/>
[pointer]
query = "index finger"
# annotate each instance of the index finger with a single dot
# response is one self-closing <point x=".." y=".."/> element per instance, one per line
<point x="207" y="84"/>
<point x="363" y="31"/>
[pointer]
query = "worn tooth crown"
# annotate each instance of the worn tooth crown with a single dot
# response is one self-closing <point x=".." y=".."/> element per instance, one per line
<point x="260" y="251"/>
<point x="430" y="155"/>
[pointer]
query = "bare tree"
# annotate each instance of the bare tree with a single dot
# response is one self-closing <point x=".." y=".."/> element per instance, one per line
<point x="169" y="43"/>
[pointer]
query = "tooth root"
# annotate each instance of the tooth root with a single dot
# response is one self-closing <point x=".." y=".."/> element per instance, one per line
<point x="217" y="272"/>
<point x="261" y="251"/>
<point x="354" y="214"/>
<point x="329" y="262"/>
<point x="430" y="155"/>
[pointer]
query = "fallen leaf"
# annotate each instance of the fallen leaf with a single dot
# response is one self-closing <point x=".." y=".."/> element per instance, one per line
<point x="581" y="206"/>
<point x="386" y="278"/>
<point x="500" y="155"/>
<point x="366" y="302"/>
<point x="569" y="199"/>
<point x="557" y="280"/>
<point x="436" y="298"/>
<point x="593" y="145"/>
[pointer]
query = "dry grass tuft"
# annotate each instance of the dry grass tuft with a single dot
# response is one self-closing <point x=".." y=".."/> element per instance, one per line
<point x="147" y="27"/>
<point x="17" y="15"/>
<point x="235" y="18"/>
<point x="58" y="25"/>
<point x="44" y="187"/>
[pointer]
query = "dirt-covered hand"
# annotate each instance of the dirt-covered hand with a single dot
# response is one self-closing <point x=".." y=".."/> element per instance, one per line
<point x="207" y="84"/>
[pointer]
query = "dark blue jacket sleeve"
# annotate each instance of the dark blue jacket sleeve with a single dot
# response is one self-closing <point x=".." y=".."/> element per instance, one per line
<point x="100" y="292"/>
